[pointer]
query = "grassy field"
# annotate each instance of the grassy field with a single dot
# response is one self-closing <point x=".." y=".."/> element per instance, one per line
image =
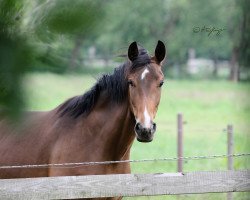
<point x="207" y="106"/>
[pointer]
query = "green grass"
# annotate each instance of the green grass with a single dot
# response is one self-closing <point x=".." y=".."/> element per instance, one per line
<point x="207" y="106"/>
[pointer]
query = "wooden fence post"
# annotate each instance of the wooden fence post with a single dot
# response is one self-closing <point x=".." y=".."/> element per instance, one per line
<point x="179" y="142"/>
<point x="230" y="152"/>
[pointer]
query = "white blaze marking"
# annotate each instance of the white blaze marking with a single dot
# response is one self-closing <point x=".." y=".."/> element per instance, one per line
<point x="146" y="118"/>
<point x="144" y="73"/>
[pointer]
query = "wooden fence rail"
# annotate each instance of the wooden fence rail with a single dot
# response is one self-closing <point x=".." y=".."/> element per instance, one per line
<point x="125" y="185"/>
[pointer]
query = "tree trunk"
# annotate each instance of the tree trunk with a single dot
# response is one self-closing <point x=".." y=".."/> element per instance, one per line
<point x="215" y="69"/>
<point x="234" y="70"/>
<point x="75" y="53"/>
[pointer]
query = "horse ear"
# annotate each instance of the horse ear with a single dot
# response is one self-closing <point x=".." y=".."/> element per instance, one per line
<point x="133" y="51"/>
<point x="160" y="52"/>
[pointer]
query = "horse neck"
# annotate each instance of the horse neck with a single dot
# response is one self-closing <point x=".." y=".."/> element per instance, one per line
<point x="114" y="124"/>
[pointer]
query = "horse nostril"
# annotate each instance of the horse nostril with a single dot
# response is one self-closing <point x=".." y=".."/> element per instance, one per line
<point x="137" y="127"/>
<point x="154" y="126"/>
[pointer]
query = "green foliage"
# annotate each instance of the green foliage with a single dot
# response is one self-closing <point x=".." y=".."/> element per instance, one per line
<point x="15" y="57"/>
<point x="128" y="21"/>
<point x="206" y="15"/>
<point x="172" y="22"/>
<point x="48" y="26"/>
<point x="79" y="17"/>
<point x="54" y="35"/>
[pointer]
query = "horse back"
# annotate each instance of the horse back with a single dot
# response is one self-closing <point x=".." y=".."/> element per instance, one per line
<point x="25" y="142"/>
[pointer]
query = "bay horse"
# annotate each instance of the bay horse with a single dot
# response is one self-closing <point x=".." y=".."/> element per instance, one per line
<point x="99" y="125"/>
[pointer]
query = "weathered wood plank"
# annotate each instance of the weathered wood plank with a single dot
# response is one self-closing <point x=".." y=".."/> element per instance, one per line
<point x="125" y="185"/>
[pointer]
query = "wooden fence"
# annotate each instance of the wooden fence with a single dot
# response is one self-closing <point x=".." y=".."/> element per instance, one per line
<point x="124" y="185"/>
<point x="180" y="147"/>
<point x="180" y="143"/>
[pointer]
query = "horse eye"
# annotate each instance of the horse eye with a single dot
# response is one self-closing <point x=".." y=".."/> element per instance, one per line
<point x="131" y="83"/>
<point x="161" y="83"/>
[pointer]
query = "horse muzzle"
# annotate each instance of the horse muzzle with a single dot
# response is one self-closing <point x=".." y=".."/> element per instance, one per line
<point x="144" y="134"/>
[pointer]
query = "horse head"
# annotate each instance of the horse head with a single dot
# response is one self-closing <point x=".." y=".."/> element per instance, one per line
<point x="145" y="79"/>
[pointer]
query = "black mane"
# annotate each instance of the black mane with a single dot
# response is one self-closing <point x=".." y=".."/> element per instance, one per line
<point x="115" y="85"/>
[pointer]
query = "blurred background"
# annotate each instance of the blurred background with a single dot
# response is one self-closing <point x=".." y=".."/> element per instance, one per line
<point x="51" y="50"/>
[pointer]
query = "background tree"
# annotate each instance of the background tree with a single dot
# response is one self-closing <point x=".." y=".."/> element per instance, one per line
<point x="15" y="56"/>
<point x="244" y="44"/>
<point x="31" y="35"/>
